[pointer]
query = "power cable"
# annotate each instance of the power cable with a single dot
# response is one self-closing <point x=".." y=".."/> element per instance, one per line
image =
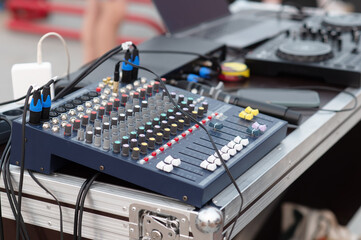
<point x="57" y="201"/>
<point x="81" y="209"/>
<point x="22" y="162"/>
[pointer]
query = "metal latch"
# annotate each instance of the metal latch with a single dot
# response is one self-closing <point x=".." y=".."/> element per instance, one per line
<point x="159" y="227"/>
<point x="152" y="222"/>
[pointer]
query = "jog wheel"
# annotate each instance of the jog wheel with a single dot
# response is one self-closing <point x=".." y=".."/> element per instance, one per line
<point x="344" y="22"/>
<point x="304" y="51"/>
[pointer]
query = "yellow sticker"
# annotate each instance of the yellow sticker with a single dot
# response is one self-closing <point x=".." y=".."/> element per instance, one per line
<point x="235" y="69"/>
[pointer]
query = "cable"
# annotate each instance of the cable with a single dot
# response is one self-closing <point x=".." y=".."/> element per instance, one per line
<point x="87" y="71"/>
<point x="80" y="204"/>
<point x="211" y="59"/>
<point x="22" y="163"/>
<point x="39" y="49"/>
<point x="77" y="206"/>
<point x="12" y="101"/>
<point x="1" y="165"/>
<point x="39" y="61"/>
<point x="81" y="209"/>
<point x="10" y="191"/>
<point x="4" y="166"/>
<point x="57" y="201"/>
<point x="205" y="129"/>
<point x="55" y="80"/>
<point x="22" y="167"/>
<point x="111" y="53"/>
<point x="5" y="163"/>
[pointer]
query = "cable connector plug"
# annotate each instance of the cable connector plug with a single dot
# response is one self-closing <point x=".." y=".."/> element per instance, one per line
<point x="126" y="45"/>
<point x="35" y="108"/>
<point x="46" y="102"/>
<point x="135" y="61"/>
<point x="206" y="72"/>
<point x="127" y="69"/>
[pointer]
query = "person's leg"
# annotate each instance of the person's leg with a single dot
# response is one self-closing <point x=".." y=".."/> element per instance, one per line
<point x="88" y="30"/>
<point x="112" y="15"/>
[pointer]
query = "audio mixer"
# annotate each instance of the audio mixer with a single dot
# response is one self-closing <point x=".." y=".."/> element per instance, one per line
<point x="326" y="47"/>
<point x="137" y="135"/>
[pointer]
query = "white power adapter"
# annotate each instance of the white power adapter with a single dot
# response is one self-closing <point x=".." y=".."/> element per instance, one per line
<point x="37" y="73"/>
<point x="25" y="74"/>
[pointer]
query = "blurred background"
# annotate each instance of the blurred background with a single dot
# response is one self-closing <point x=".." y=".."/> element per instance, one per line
<point x="24" y="22"/>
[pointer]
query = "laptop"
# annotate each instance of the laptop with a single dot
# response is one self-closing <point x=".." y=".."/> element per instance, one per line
<point x="212" y="20"/>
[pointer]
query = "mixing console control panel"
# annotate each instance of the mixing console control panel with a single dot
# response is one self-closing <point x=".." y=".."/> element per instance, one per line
<point x="327" y="47"/>
<point x="136" y="134"/>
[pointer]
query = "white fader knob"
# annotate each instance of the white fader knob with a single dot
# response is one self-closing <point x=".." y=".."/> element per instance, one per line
<point x="174" y="161"/>
<point x="164" y="166"/>
<point x="168" y="168"/>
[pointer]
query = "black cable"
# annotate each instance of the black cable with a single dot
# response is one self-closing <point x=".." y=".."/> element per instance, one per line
<point x="15" y="205"/>
<point x="205" y="129"/>
<point x="6" y="182"/>
<point x="22" y="161"/>
<point x="114" y="51"/>
<point x="1" y="165"/>
<point x="11" y="193"/>
<point x="12" y="101"/>
<point x="7" y="179"/>
<point x="57" y="201"/>
<point x="81" y="209"/>
<point x="77" y="206"/>
<point x="23" y="97"/>
<point x="88" y="70"/>
<point x="8" y="144"/>
<point x="22" y="167"/>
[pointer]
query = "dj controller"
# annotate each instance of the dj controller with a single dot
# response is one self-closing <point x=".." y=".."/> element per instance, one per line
<point x="136" y="134"/>
<point x="325" y="47"/>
